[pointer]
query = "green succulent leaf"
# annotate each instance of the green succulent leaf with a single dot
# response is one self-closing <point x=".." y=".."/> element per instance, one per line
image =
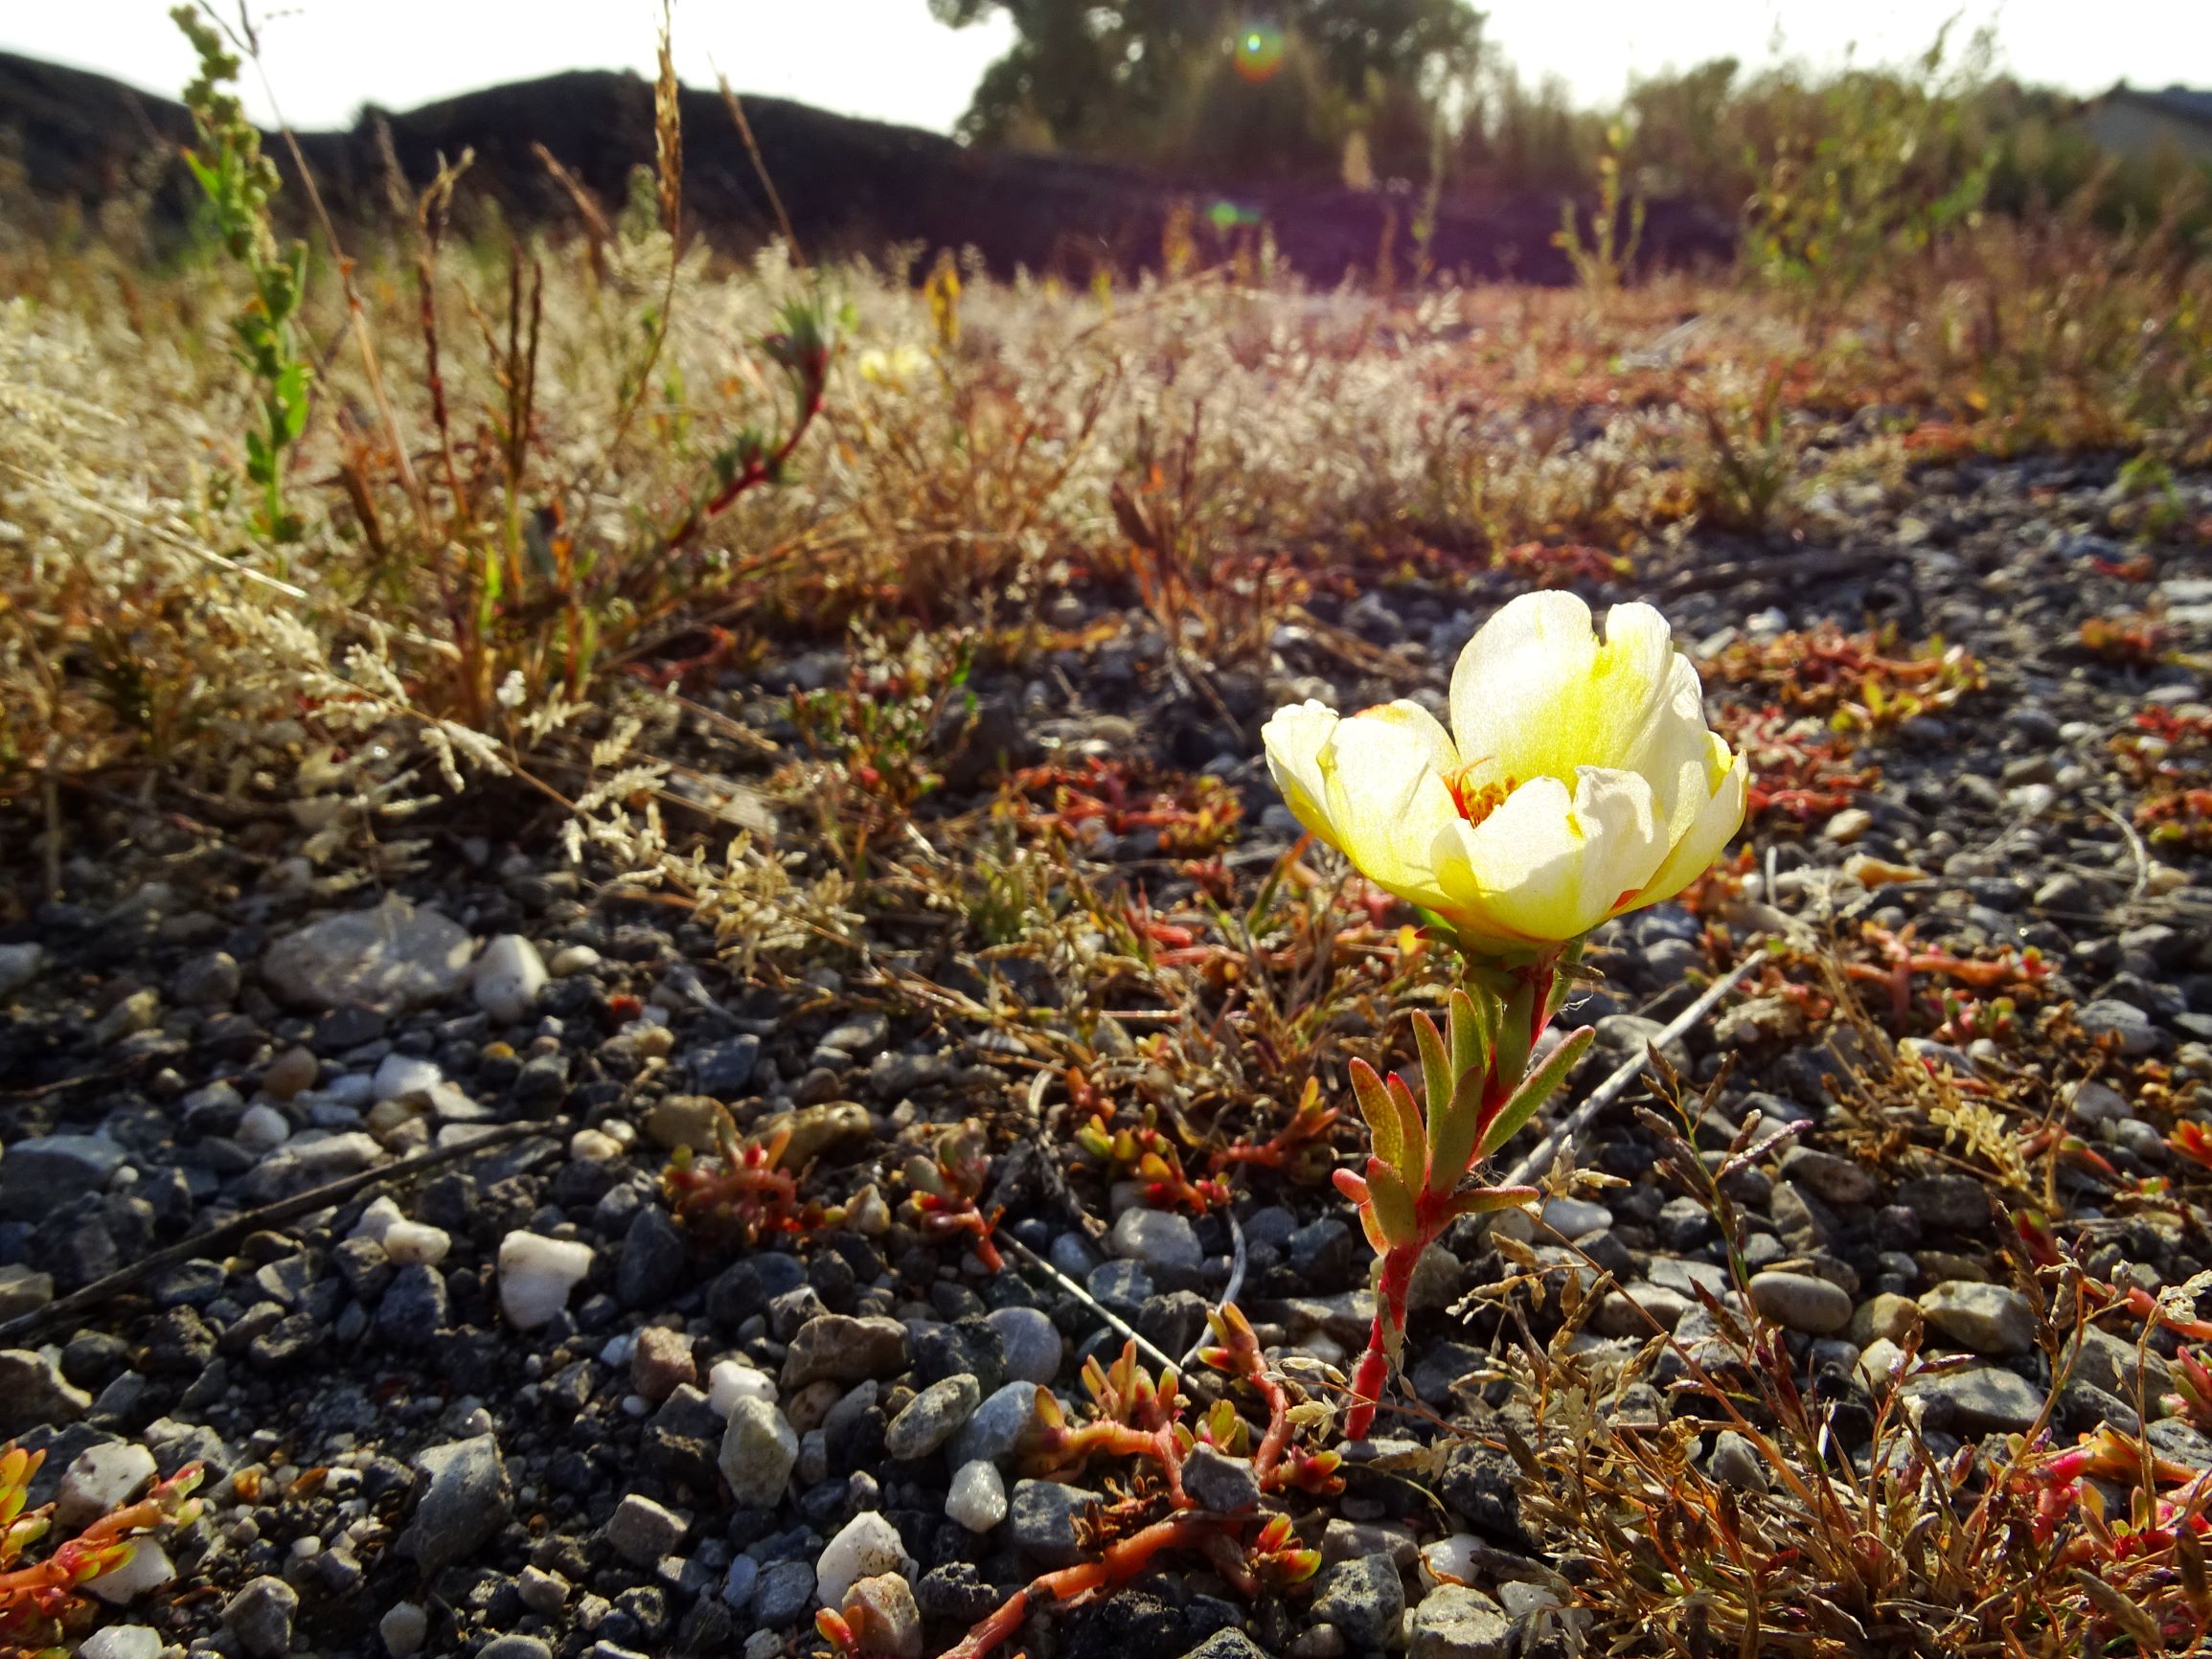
<point x="1393" y="1203"/>
<point x="1535" y="1089"/>
<point x="1517" y="1029"/>
<point x="1437" y="1074"/>
<point x="1474" y="1027"/>
<point x="1413" y="1133"/>
<point x="1486" y="1200"/>
<point x="1381" y="1116"/>
<point x="1452" y="1132"/>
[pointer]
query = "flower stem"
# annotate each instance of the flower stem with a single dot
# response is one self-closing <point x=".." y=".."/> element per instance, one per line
<point x="1435" y="1208"/>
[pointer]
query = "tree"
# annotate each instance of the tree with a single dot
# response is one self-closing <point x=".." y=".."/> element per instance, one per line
<point x="1119" y="77"/>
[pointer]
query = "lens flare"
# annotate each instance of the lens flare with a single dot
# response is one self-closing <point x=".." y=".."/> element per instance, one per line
<point x="1259" y="52"/>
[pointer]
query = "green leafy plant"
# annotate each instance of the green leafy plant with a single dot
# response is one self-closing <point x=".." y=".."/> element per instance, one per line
<point x="1479" y="1089"/>
<point x="1603" y="264"/>
<point x="237" y="180"/>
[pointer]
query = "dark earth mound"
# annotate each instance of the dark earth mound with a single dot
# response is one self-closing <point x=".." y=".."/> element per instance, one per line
<point x="850" y="185"/>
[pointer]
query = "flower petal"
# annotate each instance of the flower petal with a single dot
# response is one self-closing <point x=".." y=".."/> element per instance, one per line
<point x="1546" y="866"/>
<point x="1720" y="815"/>
<point x="1536" y="693"/>
<point x="1372" y="787"/>
<point x="1294" y="739"/>
<point x="1672" y="752"/>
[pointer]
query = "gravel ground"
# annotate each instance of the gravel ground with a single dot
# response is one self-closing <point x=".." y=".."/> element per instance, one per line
<point x="505" y="1407"/>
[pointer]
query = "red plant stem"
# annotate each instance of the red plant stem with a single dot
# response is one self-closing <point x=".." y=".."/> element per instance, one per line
<point x="1117" y="1565"/>
<point x="1434" y="1210"/>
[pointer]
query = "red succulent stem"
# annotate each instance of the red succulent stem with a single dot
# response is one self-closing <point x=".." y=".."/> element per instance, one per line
<point x="1434" y="1210"/>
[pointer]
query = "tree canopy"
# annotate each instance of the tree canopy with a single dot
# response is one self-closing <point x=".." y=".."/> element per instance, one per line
<point x="1209" y="82"/>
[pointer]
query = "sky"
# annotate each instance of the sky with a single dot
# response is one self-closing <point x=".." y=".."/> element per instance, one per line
<point x="890" y="59"/>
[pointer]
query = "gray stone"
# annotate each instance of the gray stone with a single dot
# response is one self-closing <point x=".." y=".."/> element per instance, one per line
<point x="303" y="1164"/>
<point x="210" y="981"/>
<point x="1122" y="1286"/>
<point x="2129" y="1028"/>
<point x="1030" y="1341"/>
<point x="1837" y="1180"/>
<point x="19" y="966"/>
<point x="389" y="959"/>
<point x="996" y="1430"/>
<point x="516" y="1646"/>
<point x="845" y="1350"/>
<point x="1155" y="1238"/>
<point x="1736" y="1462"/>
<point x="1801" y="1301"/>
<point x="1959" y="1202"/>
<point x="404" y="1627"/>
<point x="465" y="1502"/>
<point x="1986" y="1318"/>
<point x="933" y="1417"/>
<point x="34" y="1394"/>
<point x="1217" y="1482"/>
<point x="1632" y="1309"/>
<point x="760" y="1449"/>
<point x="1454" y="1622"/>
<point x="1041" y="1520"/>
<point x="40" y="1174"/>
<point x="654" y="1259"/>
<point x="1976" y="1400"/>
<point x="259" y="1617"/>
<point x="2113" y="1363"/>
<point x="1364" y="1598"/>
<point x="1228" y="1643"/>
<point x="724" y="1068"/>
<point x="640" y="1531"/>
<point x="784" y="1590"/>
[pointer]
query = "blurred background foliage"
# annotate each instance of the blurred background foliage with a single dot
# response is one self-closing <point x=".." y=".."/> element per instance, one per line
<point x="1407" y="93"/>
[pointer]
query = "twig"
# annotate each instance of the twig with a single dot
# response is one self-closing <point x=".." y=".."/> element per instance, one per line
<point x="2134" y="848"/>
<point x="1228" y="1291"/>
<point x="1114" y="1321"/>
<point x="323" y="1197"/>
<point x="1540" y="1158"/>
<point x="760" y="167"/>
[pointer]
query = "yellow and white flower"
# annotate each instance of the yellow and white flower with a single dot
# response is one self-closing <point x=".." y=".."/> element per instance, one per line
<point x="899" y="368"/>
<point x="1579" y="779"/>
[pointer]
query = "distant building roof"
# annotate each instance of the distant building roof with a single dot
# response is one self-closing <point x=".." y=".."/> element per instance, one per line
<point x="2182" y="102"/>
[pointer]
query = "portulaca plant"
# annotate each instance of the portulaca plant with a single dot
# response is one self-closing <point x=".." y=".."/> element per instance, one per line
<point x="1579" y="781"/>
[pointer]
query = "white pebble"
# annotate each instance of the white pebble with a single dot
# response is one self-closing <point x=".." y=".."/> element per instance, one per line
<point x="731" y="1380"/>
<point x="573" y="959"/>
<point x="122" y="1642"/>
<point x="593" y="1147"/>
<point x="101" y="1479"/>
<point x="868" y="1545"/>
<point x="263" y="1128"/>
<point x="149" y="1569"/>
<point x="508" y="976"/>
<point x="407" y="1242"/>
<point x="402" y="1074"/>
<point x="977" y="1500"/>
<point x="1450" y="1561"/>
<point x="378" y="1218"/>
<point x="536" y="1274"/>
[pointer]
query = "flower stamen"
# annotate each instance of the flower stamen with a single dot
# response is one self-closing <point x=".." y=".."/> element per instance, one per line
<point x="1476" y="802"/>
